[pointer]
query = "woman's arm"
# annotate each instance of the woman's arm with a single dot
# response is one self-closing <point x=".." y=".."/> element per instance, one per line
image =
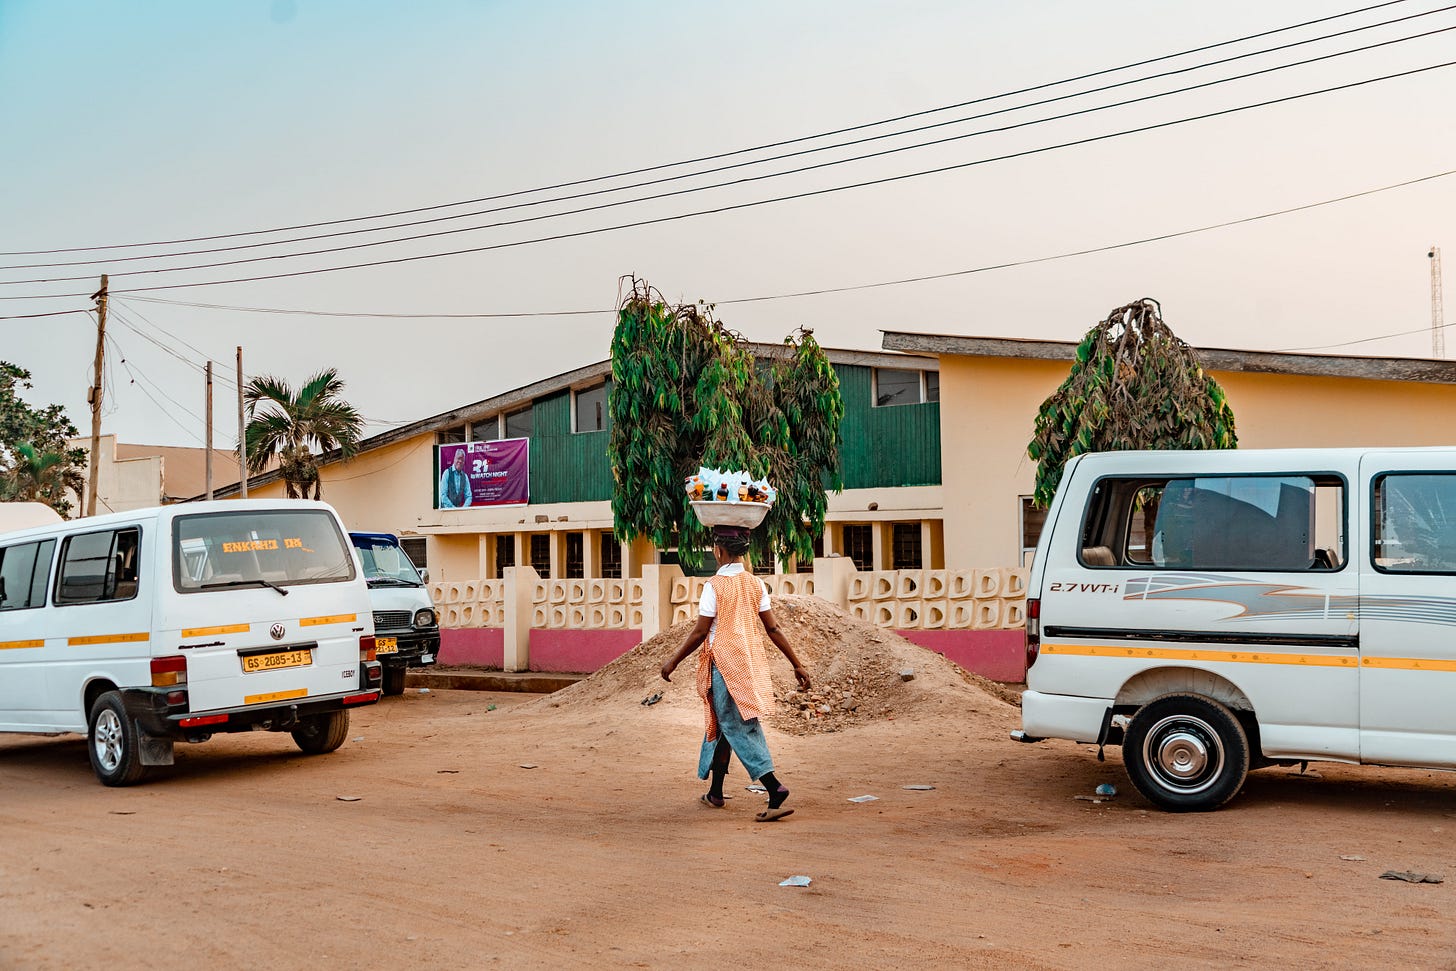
<point x="695" y="637"/>
<point x="771" y="625"/>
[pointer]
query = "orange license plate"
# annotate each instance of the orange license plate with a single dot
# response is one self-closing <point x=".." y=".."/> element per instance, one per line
<point x="386" y="645"/>
<point x="277" y="660"/>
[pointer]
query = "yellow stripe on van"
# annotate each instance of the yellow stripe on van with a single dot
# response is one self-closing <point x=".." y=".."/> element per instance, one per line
<point x="209" y="631"/>
<point x="14" y="645"/>
<point x="1409" y="663"/>
<point x="275" y="696"/>
<point x="1227" y="657"/>
<point x="331" y="619"/>
<point x="108" y="639"/>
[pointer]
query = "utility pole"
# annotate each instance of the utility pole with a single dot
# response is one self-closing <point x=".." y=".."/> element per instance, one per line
<point x="242" y="435"/>
<point x="1438" y="313"/>
<point x="208" y="445"/>
<point x="94" y="396"/>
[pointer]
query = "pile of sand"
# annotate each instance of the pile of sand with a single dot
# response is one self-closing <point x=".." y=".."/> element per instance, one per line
<point x="857" y="671"/>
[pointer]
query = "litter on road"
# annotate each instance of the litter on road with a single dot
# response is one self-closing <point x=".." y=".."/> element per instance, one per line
<point x="918" y="788"/>
<point x="863" y="798"/>
<point x="1410" y="877"/>
<point x="799" y="881"/>
<point x="348" y="798"/>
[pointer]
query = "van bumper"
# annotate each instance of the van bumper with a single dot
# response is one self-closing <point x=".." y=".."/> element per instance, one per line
<point x="162" y="720"/>
<point x="417" y="648"/>
<point x="1064" y="716"/>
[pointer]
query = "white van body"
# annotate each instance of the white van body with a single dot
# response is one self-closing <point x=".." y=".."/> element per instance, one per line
<point x="178" y="622"/>
<point x="406" y="628"/>
<point x="1217" y="611"/>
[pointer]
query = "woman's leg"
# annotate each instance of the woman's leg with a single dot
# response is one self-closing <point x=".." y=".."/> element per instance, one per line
<point x="718" y="770"/>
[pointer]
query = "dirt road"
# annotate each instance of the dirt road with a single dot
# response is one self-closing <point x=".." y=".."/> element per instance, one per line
<point x="454" y="856"/>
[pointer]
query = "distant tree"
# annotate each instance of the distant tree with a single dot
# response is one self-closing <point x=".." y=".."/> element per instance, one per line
<point x="35" y="463"/>
<point x="687" y="392"/>
<point x="1134" y="385"/>
<point x="289" y="426"/>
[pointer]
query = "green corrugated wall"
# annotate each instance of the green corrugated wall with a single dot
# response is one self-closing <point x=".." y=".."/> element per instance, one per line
<point x="893" y="446"/>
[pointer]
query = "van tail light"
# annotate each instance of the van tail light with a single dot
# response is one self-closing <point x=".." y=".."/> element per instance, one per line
<point x="1033" y="631"/>
<point x="366" y="647"/>
<point x="168" y="672"/>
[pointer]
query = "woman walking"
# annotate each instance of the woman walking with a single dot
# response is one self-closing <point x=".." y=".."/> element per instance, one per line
<point x="733" y="676"/>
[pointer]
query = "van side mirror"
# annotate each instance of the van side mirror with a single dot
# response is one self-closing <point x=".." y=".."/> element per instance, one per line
<point x="424" y="576"/>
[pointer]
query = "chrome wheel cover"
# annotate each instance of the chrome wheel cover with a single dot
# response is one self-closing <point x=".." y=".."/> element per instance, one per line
<point x="107" y="739"/>
<point x="1183" y="754"/>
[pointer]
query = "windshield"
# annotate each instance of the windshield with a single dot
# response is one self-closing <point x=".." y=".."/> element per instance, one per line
<point x="384" y="561"/>
<point x="270" y="547"/>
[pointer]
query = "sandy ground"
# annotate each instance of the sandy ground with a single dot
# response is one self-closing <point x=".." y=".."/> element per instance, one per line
<point x="455" y="856"/>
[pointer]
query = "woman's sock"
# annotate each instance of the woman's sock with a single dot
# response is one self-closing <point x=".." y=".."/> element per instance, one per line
<point x="777" y="793"/>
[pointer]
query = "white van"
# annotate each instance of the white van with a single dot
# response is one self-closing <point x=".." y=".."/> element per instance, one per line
<point x="175" y="623"/>
<point x="1213" y="612"/>
<point x="406" y="629"/>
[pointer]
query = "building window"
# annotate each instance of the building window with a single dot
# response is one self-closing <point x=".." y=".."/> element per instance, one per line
<point x="414" y="548"/>
<point x="575" y="556"/>
<point x="802" y="565"/>
<point x="897" y="386"/>
<point x="611" y="557"/>
<point x="1032" y="521"/>
<point x="541" y="553"/>
<point x="505" y="554"/>
<point x="450" y="436"/>
<point x="518" y="423"/>
<point x="905" y="546"/>
<point x="591" y="408"/>
<point x="486" y="430"/>
<point x="859" y="545"/>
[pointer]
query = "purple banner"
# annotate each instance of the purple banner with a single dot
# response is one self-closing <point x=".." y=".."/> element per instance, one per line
<point x="483" y="473"/>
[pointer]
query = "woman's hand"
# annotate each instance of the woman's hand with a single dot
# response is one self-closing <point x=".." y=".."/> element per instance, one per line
<point x="802" y="675"/>
<point x="667" y="668"/>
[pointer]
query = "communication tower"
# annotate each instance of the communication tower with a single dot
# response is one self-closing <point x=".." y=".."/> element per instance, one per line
<point x="1438" y="315"/>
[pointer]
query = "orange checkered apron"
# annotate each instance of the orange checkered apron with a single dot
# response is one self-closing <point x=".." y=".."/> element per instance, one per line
<point x="736" y="650"/>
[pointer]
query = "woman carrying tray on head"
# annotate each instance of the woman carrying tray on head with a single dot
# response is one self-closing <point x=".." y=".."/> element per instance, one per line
<point x="733" y="676"/>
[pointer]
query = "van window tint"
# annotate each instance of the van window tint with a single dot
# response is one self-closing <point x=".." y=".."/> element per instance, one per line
<point x="1415" y="523"/>
<point x="98" y="567"/>
<point x="279" y="546"/>
<point x="25" y="571"/>
<point x="1257" y="522"/>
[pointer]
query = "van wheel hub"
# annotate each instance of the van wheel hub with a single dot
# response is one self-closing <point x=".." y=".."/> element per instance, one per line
<point x="108" y="740"/>
<point x="1185" y="753"/>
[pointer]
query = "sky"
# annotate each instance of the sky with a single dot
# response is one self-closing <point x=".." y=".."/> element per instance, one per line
<point x="140" y="123"/>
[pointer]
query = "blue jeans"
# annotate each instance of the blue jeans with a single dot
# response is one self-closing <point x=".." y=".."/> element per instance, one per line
<point x="745" y="737"/>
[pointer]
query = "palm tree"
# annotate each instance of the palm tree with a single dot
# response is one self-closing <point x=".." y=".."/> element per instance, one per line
<point x="36" y="476"/>
<point x="293" y="425"/>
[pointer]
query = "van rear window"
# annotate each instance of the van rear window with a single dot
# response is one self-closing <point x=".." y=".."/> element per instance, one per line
<point x="1415" y="523"/>
<point x="1247" y="522"/>
<point x="277" y="547"/>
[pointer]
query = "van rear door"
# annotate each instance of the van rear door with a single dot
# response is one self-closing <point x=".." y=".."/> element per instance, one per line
<point x="1408" y="610"/>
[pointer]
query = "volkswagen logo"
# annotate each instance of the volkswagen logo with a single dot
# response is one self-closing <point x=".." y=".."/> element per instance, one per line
<point x="277" y="631"/>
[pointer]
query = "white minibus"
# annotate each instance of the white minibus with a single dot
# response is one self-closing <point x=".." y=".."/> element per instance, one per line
<point x="170" y="624"/>
<point x="1220" y="611"/>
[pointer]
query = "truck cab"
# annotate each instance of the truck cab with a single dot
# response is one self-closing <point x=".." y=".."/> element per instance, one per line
<point x="406" y="628"/>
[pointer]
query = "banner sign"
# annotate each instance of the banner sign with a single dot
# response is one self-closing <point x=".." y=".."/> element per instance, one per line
<point x="483" y="473"/>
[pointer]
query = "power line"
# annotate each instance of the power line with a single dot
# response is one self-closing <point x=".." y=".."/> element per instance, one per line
<point x="742" y="180"/>
<point x="841" y="289"/>
<point x="52" y="313"/>
<point x="136" y="375"/>
<point x="113" y="260"/>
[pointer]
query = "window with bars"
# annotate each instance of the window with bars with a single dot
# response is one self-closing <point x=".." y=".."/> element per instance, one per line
<point x="450" y="436"/>
<point x="414" y="548"/>
<point x="1032" y="521"/>
<point x="859" y="545"/>
<point x="804" y="566"/>
<point x="505" y="554"/>
<point x="541" y="553"/>
<point x="905" y="553"/>
<point x="611" y="557"/>
<point x="575" y="556"/>
<point x="518" y="423"/>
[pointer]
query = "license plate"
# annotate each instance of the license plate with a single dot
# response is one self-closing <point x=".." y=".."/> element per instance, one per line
<point x="280" y="659"/>
<point x="386" y="645"/>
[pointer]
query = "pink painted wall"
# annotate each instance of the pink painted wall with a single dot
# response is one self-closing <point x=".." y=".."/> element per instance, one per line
<point x="477" y="646"/>
<point x="996" y="654"/>
<point x="579" y="650"/>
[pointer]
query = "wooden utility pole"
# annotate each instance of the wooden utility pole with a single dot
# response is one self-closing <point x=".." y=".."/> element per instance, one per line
<point x="242" y="435"/>
<point x="208" y="444"/>
<point x="94" y="396"/>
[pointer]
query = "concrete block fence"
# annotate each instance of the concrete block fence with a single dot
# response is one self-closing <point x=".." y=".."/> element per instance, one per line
<point x="525" y="622"/>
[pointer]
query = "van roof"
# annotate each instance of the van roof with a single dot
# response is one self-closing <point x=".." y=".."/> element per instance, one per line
<point x="161" y="514"/>
<point x="1250" y="459"/>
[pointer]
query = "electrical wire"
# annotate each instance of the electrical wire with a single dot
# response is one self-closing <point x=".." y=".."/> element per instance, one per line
<point x="113" y="260"/>
<point x="142" y="387"/>
<point x="725" y="184"/>
<point x="729" y="154"/>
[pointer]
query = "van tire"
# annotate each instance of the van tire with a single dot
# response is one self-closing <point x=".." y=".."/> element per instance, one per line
<point x="394" y="679"/>
<point x="113" y="739"/>
<point x="1186" y="753"/>
<point x="322" y="733"/>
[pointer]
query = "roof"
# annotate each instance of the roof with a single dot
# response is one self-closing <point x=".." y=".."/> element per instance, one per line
<point x="591" y="373"/>
<point x="1215" y="359"/>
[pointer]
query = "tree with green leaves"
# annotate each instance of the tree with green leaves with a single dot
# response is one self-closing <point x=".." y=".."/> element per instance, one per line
<point x="1133" y="385"/>
<point x="289" y="427"/>
<point x="688" y="392"/>
<point x="35" y="462"/>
